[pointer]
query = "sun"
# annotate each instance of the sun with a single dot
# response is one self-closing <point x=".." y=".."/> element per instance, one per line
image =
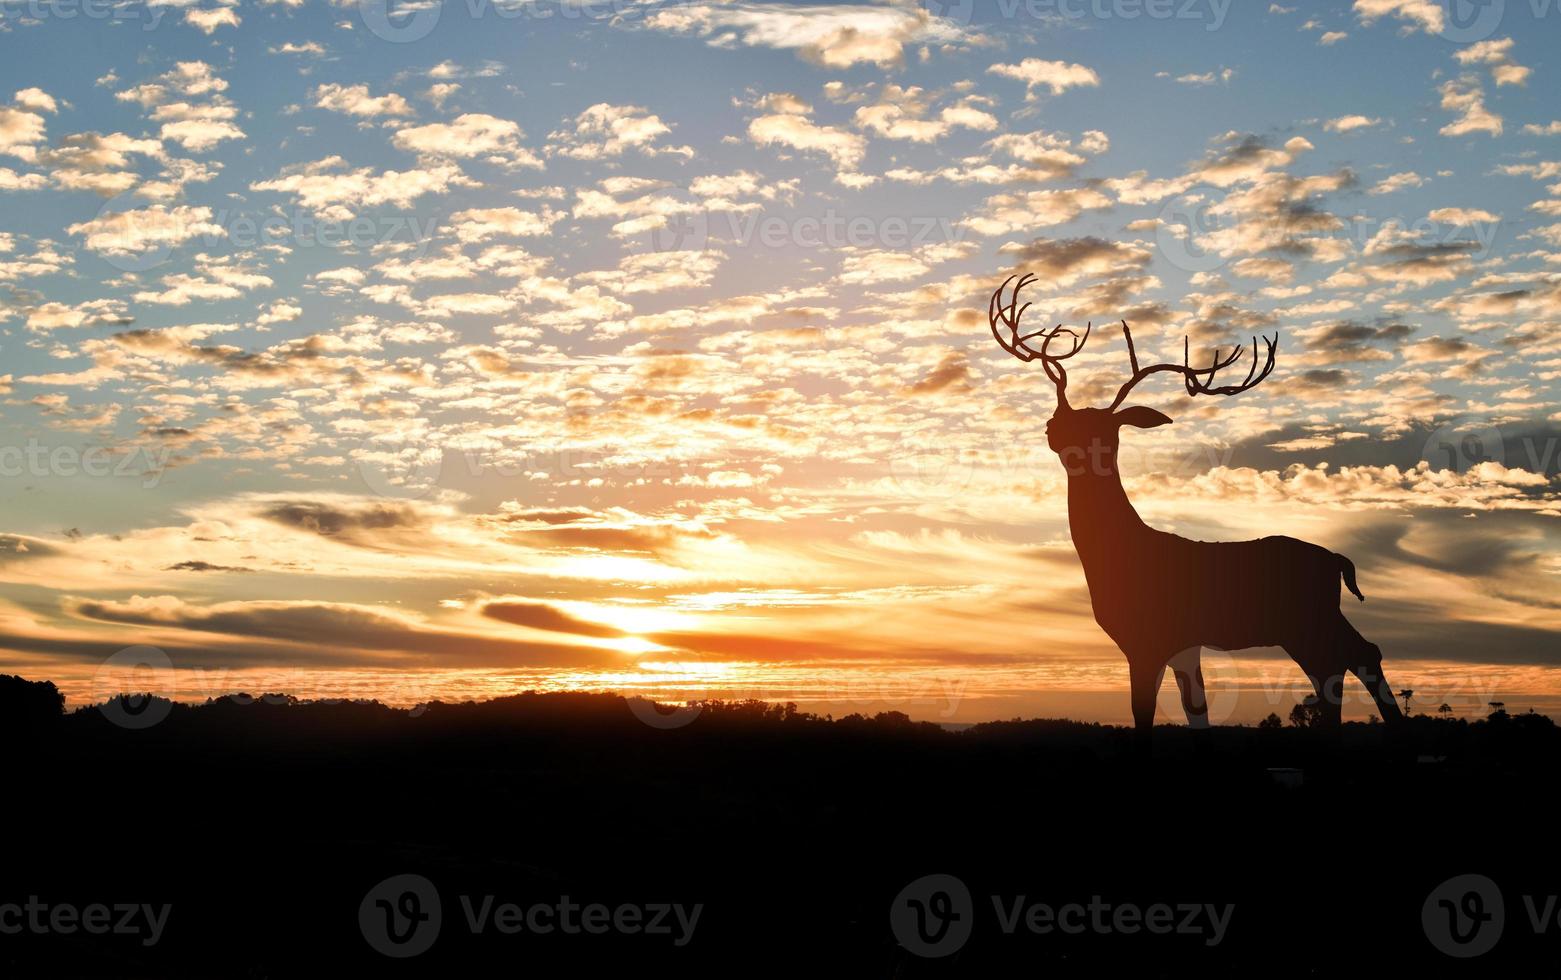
<point x="635" y="645"/>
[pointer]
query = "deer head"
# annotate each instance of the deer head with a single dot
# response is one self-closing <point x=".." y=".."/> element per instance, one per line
<point x="1094" y="429"/>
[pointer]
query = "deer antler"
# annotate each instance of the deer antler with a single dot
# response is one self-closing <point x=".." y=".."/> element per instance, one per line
<point x="1008" y="315"/>
<point x="1200" y="381"/>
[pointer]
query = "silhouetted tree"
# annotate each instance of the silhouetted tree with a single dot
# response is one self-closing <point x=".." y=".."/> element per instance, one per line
<point x="1306" y="714"/>
<point x="1272" y="721"/>
<point x="24" y="703"/>
<point x="1533" y="722"/>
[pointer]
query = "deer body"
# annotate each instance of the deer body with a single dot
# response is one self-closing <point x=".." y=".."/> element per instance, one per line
<point x="1162" y="597"/>
<point x="1144" y="583"/>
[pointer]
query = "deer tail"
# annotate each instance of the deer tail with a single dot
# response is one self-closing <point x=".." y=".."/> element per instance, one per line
<point x="1347" y="569"/>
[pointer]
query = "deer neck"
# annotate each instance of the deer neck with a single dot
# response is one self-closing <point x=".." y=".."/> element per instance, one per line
<point x="1101" y="519"/>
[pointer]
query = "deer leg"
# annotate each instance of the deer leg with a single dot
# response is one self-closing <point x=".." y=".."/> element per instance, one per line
<point x="1146" y="676"/>
<point x="1370" y="675"/>
<point x="1367" y="658"/>
<point x="1189" y="680"/>
<point x="1315" y="655"/>
<point x="1330" y="697"/>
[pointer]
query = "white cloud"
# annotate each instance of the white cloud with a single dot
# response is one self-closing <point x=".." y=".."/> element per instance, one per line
<point x="133" y="232"/>
<point x="312" y="48"/>
<point x="441" y="92"/>
<point x="337" y="193"/>
<point x="1348" y="124"/>
<point x="606" y="130"/>
<point x="188" y="100"/>
<point x="834" y="36"/>
<point x="1463" y="216"/>
<point x="1223" y="76"/>
<point x="790" y="126"/>
<point x="1058" y="76"/>
<point x="636" y="213"/>
<point x="214" y="279"/>
<point x="355" y="100"/>
<point x="1422" y="15"/>
<point x="473" y="134"/>
<point x="901" y="114"/>
<point x="10" y="180"/>
<point x="1496" y="52"/>
<point x="20" y="132"/>
<point x="197" y="128"/>
<point x="191" y="79"/>
<point x="656" y="272"/>
<point x="1005" y="213"/>
<point x="208" y="20"/>
<point x="1065" y="261"/>
<point x="35" y="100"/>
<point x="280" y="311"/>
<point x="1398" y="182"/>
<point x="481" y="224"/>
<point x="53" y="316"/>
<point x="1466" y="97"/>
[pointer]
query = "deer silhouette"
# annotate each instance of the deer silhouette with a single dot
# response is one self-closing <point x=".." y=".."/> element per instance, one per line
<point x="1162" y="597"/>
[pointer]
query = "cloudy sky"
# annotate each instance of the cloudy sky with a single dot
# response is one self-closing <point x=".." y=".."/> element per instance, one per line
<point x="452" y="349"/>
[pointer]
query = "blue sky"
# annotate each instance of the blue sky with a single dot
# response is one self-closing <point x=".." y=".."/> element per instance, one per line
<point x="667" y="316"/>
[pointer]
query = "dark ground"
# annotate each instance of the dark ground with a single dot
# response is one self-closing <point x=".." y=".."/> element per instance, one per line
<point x="265" y="825"/>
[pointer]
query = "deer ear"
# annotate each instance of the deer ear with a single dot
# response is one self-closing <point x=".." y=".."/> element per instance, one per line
<point x="1142" y="418"/>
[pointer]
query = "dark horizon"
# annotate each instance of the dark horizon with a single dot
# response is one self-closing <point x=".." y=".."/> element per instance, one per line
<point x="1241" y="706"/>
<point x="270" y="838"/>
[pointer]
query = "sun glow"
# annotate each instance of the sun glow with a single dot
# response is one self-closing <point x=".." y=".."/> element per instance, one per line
<point x="693" y="668"/>
<point x="635" y="645"/>
<point x="632" y="617"/>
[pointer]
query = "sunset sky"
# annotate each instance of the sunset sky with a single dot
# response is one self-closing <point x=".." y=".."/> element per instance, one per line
<point x="451" y="350"/>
